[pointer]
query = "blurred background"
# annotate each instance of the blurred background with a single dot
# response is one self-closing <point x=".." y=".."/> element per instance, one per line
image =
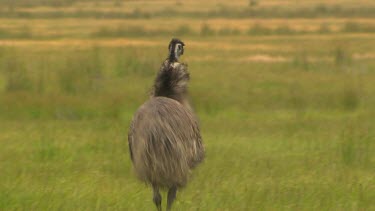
<point x="284" y="89"/>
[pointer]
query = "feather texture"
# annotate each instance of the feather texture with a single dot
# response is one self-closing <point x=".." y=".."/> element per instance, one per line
<point x="165" y="142"/>
<point x="164" y="137"/>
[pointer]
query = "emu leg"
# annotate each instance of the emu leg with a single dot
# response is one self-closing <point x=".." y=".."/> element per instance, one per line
<point x="157" y="197"/>
<point x="171" y="197"/>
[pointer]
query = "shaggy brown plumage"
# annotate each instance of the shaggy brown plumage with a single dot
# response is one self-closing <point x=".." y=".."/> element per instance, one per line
<point x="164" y="137"/>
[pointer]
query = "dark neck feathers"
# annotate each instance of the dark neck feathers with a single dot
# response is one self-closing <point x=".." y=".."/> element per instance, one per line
<point x="172" y="57"/>
<point x="172" y="81"/>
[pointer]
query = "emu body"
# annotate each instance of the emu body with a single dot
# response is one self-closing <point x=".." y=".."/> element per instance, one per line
<point x="164" y="138"/>
<point x="168" y="145"/>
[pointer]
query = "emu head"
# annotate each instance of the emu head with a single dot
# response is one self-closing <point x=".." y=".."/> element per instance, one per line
<point x="173" y="76"/>
<point x="176" y="49"/>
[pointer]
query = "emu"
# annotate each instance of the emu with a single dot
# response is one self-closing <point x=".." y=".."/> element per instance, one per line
<point x="164" y="137"/>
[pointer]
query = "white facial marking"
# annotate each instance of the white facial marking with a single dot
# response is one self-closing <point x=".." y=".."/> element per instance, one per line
<point x="177" y="50"/>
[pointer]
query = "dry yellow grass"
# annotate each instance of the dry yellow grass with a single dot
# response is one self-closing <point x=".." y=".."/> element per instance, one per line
<point x="85" y="27"/>
<point x="195" y="5"/>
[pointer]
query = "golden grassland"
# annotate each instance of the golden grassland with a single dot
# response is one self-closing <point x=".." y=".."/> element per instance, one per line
<point x="194" y="5"/>
<point x="85" y="27"/>
<point x="287" y="118"/>
<point x="133" y="18"/>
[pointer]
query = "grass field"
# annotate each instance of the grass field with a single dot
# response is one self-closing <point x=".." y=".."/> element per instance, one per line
<point x="286" y="104"/>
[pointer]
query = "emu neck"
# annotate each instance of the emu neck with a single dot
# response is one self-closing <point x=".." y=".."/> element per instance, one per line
<point x="171" y="82"/>
<point x="172" y="57"/>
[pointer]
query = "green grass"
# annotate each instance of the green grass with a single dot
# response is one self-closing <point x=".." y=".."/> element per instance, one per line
<point x="313" y="163"/>
<point x="278" y="136"/>
<point x="287" y="115"/>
